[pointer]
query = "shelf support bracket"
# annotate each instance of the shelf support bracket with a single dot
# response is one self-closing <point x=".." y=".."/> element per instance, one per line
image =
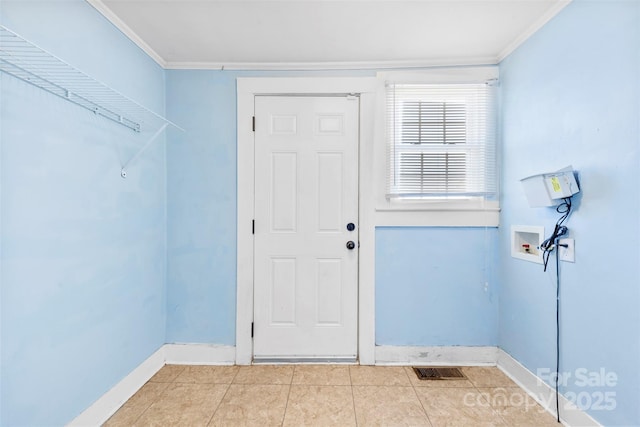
<point x="123" y="171"/>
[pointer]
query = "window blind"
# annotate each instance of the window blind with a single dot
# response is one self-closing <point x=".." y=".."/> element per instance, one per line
<point x="442" y="140"/>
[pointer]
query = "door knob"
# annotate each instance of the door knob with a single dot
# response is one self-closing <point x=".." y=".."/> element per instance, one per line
<point x="351" y="226"/>
<point x="350" y="245"/>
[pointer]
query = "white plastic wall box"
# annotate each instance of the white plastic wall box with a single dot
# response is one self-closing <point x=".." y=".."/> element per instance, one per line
<point x="526" y="241"/>
<point x="548" y="189"/>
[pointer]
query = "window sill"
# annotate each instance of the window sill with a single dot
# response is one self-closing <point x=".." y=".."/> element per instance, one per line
<point x="437" y="214"/>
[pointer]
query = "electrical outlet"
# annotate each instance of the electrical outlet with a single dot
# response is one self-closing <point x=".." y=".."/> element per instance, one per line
<point x="567" y="253"/>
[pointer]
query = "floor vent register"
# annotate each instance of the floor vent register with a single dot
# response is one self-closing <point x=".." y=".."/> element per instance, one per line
<point x="432" y="373"/>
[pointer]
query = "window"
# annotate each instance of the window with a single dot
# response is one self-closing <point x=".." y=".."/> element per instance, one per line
<point x="441" y="142"/>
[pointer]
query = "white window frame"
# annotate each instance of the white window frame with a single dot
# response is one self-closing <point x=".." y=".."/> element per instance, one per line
<point x="427" y="212"/>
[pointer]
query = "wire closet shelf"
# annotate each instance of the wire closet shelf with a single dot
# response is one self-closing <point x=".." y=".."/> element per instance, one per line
<point x="29" y="63"/>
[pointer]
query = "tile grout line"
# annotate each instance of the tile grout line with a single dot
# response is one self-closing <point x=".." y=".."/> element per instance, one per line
<point x="159" y="395"/>
<point x="286" y="406"/>
<point x="146" y="407"/>
<point x="218" y="405"/>
<point x="508" y="404"/>
<point x="353" y="398"/>
<point x="477" y="390"/>
<point x="223" y="396"/>
<point x="498" y="386"/>
<point x="419" y="400"/>
<point x="489" y="403"/>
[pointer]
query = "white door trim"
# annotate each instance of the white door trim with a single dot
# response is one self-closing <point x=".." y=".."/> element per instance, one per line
<point x="247" y="89"/>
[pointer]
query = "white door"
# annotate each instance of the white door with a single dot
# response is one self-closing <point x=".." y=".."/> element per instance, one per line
<point x="306" y="211"/>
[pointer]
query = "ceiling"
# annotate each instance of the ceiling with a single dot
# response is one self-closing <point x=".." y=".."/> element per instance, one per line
<point x="324" y="34"/>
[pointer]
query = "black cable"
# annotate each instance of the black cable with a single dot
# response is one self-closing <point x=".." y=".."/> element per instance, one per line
<point x="557" y="333"/>
<point x="558" y="231"/>
<point x="547" y="247"/>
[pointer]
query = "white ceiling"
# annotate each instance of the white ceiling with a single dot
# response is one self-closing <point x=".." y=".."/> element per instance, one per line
<point x="321" y="34"/>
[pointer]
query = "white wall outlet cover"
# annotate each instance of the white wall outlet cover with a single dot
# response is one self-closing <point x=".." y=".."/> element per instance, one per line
<point x="567" y="253"/>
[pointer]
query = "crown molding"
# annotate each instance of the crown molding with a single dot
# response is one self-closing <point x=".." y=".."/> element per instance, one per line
<point x="307" y="66"/>
<point x="127" y="31"/>
<point x="539" y="23"/>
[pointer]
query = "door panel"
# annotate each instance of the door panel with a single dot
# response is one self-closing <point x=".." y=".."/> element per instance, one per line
<point x="329" y="291"/>
<point x="306" y="191"/>
<point x="330" y="166"/>
<point x="284" y="192"/>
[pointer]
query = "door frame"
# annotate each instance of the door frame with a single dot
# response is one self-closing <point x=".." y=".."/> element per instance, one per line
<point x="247" y="89"/>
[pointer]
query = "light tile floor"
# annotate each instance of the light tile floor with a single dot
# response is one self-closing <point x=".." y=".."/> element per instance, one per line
<point x="327" y="395"/>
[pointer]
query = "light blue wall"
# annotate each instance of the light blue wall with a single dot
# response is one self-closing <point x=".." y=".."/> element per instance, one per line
<point x="201" y="204"/>
<point x="436" y="286"/>
<point x="571" y="95"/>
<point x="201" y="210"/>
<point x="83" y="251"/>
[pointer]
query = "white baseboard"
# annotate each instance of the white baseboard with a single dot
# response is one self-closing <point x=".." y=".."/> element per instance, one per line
<point x="112" y="400"/>
<point x="435" y="356"/>
<point x="544" y="394"/>
<point x="202" y="354"/>
<point x="180" y="354"/>
<point x="199" y="354"/>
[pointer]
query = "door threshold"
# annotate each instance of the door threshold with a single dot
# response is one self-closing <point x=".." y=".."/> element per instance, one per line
<point x="305" y="360"/>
